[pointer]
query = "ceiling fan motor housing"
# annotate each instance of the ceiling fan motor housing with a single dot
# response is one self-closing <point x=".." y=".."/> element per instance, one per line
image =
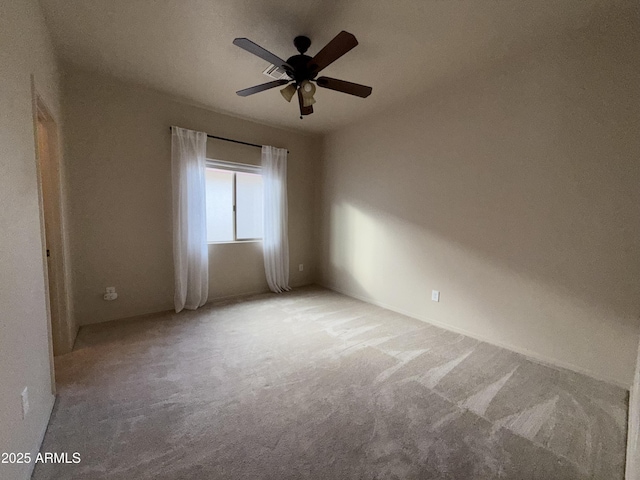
<point x="301" y="70"/>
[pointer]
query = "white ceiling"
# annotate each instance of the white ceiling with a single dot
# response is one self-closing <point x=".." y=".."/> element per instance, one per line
<point x="406" y="46"/>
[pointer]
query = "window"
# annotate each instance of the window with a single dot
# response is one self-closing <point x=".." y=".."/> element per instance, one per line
<point x="234" y="202"/>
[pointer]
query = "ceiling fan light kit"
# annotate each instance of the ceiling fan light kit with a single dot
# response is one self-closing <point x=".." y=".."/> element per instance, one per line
<point x="302" y="70"/>
<point x="308" y="89"/>
<point x="288" y="92"/>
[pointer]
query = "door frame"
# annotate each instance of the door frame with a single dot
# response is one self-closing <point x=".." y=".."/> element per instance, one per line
<point x="59" y="324"/>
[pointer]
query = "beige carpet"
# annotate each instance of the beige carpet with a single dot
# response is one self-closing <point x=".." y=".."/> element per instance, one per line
<point x="315" y="385"/>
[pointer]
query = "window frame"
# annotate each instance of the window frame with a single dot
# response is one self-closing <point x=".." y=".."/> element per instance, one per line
<point x="234" y="168"/>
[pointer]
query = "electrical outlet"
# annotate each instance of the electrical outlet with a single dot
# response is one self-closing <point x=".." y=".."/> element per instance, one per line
<point x="301" y="267"/>
<point x="25" y="402"/>
<point x="111" y="294"/>
<point x="435" y="295"/>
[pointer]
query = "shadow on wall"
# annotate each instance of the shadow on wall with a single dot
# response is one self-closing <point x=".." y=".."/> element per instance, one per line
<point x="236" y="269"/>
<point x="535" y="169"/>
<point x="375" y="253"/>
<point x="523" y="177"/>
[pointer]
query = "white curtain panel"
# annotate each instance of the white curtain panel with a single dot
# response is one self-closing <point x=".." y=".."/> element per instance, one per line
<point x="275" y="242"/>
<point x="190" y="254"/>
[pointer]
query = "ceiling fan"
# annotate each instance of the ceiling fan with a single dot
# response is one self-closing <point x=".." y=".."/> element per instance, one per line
<point x="303" y="69"/>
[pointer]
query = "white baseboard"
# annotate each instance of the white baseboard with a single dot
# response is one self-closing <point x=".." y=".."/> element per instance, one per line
<point x="257" y="292"/>
<point x="237" y="296"/>
<point x="534" y="356"/>
<point x="43" y="431"/>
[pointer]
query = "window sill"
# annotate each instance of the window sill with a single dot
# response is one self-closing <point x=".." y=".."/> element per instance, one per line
<point x="235" y="241"/>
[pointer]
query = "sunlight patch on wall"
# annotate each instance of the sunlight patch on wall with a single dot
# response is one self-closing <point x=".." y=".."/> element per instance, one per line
<point x="395" y="263"/>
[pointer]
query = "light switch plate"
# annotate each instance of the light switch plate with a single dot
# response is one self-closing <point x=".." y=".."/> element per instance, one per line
<point x="435" y="295"/>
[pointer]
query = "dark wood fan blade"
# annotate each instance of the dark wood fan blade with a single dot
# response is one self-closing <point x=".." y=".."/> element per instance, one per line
<point x="344" y="87"/>
<point x="341" y="44"/>
<point x="257" y="50"/>
<point x="304" y="110"/>
<point x="261" y="88"/>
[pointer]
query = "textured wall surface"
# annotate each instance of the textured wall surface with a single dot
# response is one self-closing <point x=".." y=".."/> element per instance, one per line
<point x="118" y="162"/>
<point x="513" y="191"/>
<point x="25" y="50"/>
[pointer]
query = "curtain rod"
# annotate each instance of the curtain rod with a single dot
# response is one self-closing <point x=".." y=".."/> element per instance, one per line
<point x="233" y="141"/>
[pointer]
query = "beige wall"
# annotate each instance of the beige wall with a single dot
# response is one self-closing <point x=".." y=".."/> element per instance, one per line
<point x="515" y="192"/>
<point x="118" y="150"/>
<point x="25" y="49"/>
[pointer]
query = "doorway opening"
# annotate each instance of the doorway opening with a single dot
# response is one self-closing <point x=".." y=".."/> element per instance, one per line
<point x="49" y="180"/>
